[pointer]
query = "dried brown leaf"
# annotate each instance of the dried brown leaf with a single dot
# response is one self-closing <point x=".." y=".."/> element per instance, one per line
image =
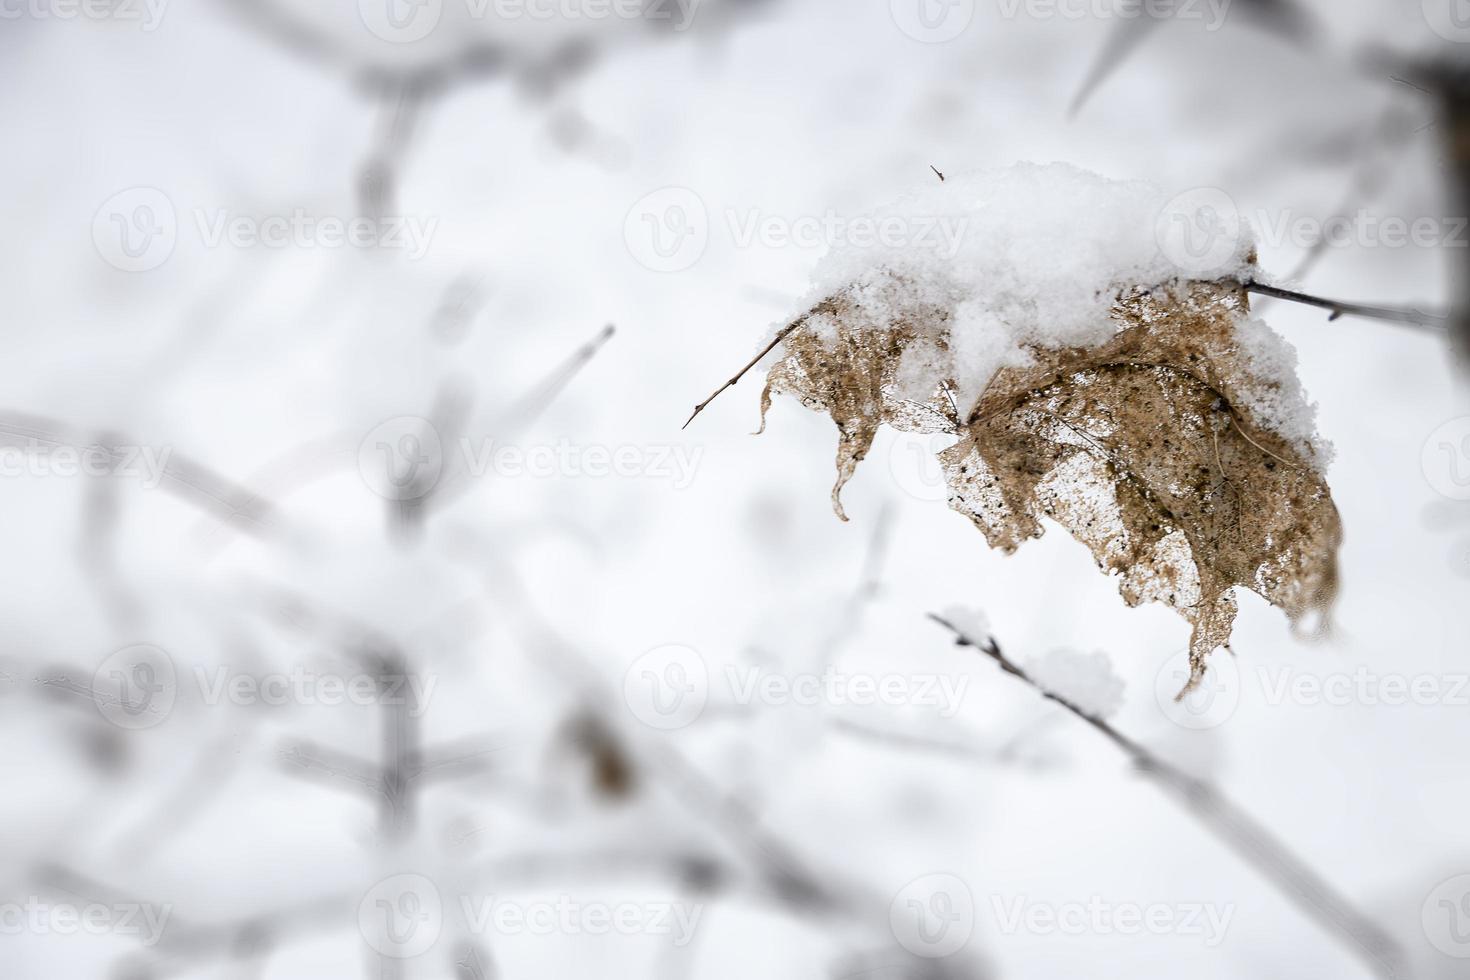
<point x="852" y="375"/>
<point x="1145" y="448"/>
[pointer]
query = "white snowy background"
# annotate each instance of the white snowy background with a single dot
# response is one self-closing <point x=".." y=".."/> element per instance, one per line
<point x="527" y="599"/>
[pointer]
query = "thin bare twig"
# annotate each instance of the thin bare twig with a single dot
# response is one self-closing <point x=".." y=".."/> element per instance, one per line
<point x="785" y="332"/>
<point x="1407" y="317"/>
<point x="1233" y="825"/>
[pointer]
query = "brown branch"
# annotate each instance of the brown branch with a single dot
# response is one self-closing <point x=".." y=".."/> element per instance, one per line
<point x="1391" y="314"/>
<point x="785" y="332"/>
<point x="1233" y="825"/>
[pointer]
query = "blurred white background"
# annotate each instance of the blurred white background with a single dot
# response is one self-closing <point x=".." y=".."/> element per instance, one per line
<point x="520" y="183"/>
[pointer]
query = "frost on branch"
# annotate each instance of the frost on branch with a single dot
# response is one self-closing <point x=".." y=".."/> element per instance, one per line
<point x="1153" y="419"/>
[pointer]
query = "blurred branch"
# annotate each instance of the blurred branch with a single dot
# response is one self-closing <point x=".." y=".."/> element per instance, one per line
<point x="1448" y="80"/>
<point x="513" y="420"/>
<point x="1243" y="833"/>
<point x="279" y="22"/>
<point x="462" y="758"/>
<point x="798" y="886"/>
<point x="331" y="765"/>
<point x="472" y="962"/>
<point x="1287" y="19"/>
<point x="406" y="768"/>
<point x="226" y="500"/>
<point x="399" y="110"/>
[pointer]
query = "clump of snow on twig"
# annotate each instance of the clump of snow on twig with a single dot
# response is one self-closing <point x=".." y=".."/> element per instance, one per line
<point x="1084" y="680"/>
<point x="971" y="623"/>
<point x="1028" y="255"/>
